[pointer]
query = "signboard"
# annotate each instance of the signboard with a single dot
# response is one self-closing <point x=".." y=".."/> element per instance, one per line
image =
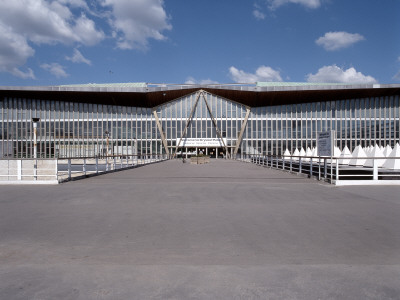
<point x="199" y="142"/>
<point x="325" y="143"/>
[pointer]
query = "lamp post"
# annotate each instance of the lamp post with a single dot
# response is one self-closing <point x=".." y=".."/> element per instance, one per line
<point x="107" y="134"/>
<point x="35" y="122"/>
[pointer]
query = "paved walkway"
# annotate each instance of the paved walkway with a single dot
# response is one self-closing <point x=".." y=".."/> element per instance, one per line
<point x="225" y="230"/>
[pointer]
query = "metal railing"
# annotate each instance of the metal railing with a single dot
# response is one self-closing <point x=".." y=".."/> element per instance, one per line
<point x="28" y="171"/>
<point x="53" y="171"/>
<point x="330" y="169"/>
<point x="69" y="168"/>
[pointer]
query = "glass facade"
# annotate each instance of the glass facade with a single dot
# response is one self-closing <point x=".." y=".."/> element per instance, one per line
<point x="72" y="129"/>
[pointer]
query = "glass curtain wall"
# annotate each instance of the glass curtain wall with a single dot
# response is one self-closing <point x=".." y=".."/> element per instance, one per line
<point x="368" y="121"/>
<point x="68" y="129"/>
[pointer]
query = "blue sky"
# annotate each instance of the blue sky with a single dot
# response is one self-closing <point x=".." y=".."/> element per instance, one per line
<point x="44" y="42"/>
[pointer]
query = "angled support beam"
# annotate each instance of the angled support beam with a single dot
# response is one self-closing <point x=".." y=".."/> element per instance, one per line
<point x="239" y="140"/>
<point x="164" y="141"/>
<point x="216" y="127"/>
<point x="188" y="122"/>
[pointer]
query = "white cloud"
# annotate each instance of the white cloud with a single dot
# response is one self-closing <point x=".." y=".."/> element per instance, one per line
<point x="77" y="57"/>
<point x="55" y="69"/>
<point x="40" y="22"/>
<point x="274" y="4"/>
<point x="136" y="21"/>
<point x="258" y="14"/>
<point x="14" y="51"/>
<point x="263" y="73"/>
<point x="47" y="22"/>
<point x="24" y="23"/>
<point x="334" y="74"/>
<point x="191" y="80"/>
<point x="21" y="74"/>
<point x="88" y="35"/>
<point x="332" y="41"/>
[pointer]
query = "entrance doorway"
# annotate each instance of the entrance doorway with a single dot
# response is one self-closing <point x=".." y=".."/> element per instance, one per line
<point x="213" y="152"/>
<point x="217" y="152"/>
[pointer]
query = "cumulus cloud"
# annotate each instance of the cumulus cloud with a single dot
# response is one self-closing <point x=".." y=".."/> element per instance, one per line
<point x="55" y="69"/>
<point x="191" y="80"/>
<point x="14" y="51"/>
<point x="334" y="74"/>
<point x="77" y="57"/>
<point x="25" y="24"/>
<point x="332" y="41"/>
<point x="263" y="73"/>
<point x="41" y="22"/>
<point x="274" y="4"/>
<point x="48" y="22"/>
<point x="136" y="21"/>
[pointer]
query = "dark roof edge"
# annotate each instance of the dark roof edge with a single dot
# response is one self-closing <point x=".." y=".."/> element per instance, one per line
<point x="247" y="97"/>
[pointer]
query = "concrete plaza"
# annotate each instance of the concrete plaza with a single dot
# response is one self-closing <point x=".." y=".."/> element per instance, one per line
<point x="224" y="230"/>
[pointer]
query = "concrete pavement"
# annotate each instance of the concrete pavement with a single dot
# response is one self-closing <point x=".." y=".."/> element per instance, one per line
<point x="225" y="230"/>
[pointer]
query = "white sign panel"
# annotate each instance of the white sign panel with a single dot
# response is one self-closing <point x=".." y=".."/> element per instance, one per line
<point x="199" y="142"/>
<point x="325" y="143"/>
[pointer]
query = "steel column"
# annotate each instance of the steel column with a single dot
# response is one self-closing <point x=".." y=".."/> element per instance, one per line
<point x="239" y="140"/>
<point x="164" y="141"/>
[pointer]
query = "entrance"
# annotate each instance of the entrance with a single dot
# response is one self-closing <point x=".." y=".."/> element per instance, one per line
<point x="213" y="152"/>
<point x="217" y="152"/>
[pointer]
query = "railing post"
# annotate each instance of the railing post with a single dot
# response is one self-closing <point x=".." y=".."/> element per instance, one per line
<point x="300" y="165"/>
<point x="311" y="167"/>
<point x="97" y="165"/>
<point x="291" y="164"/>
<point x="337" y="170"/>
<point x="375" y="170"/>
<point x="19" y="169"/>
<point x="115" y="163"/>
<point x="56" y="169"/>
<point x="319" y="168"/>
<point x="84" y="166"/>
<point x="326" y="168"/>
<point x="69" y="169"/>
<point x="283" y="163"/>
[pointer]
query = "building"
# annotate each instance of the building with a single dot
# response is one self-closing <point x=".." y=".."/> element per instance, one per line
<point x="221" y="120"/>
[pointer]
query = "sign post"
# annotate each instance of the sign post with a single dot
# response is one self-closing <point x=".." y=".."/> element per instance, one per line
<point x="326" y="142"/>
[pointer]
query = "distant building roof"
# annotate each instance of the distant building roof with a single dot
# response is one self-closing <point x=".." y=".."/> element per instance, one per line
<point x="282" y="84"/>
<point x="109" y="85"/>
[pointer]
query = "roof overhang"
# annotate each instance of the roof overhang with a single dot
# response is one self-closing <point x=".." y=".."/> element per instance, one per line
<point x="252" y="96"/>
